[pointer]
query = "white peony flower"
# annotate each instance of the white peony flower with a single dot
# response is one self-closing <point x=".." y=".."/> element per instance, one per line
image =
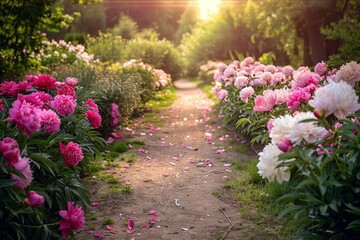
<point x="268" y="164"/>
<point x="350" y="72"/>
<point x="308" y="131"/>
<point x="281" y="126"/>
<point x="338" y="98"/>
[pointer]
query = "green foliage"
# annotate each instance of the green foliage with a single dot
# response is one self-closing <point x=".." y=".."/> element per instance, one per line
<point x="76" y="38"/>
<point x="22" y="24"/>
<point x="127" y="28"/>
<point x="325" y="202"/>
<point x="348" y="32"/>
<point x="120" y="147"/>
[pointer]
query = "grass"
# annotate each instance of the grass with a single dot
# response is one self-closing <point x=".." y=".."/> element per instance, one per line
<point x="120" y="189"/>
<point x="108" y="178"/>
<point x="164" y="98"/>
<point x="256" y="200"/>
<point x="108" y="221"/>
<point x="128" y="157"/>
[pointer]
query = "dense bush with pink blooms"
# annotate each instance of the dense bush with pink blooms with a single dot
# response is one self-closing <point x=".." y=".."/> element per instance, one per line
<point x="309" y="120"/>
<point x="47" y="141"/>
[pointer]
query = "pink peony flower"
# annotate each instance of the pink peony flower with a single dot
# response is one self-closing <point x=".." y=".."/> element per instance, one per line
<point x="320" y="68"/>
<point x="281" y="95"/>
<point x="71" y="81"/>
<point x="247" y="62"/>
<point x="34" y="200"/>
<point x="38" y="99"/>
<point x="10" y="150"/>
<point x="305" y="79"/>
<point x="296" y="97"/>
<point x="114" y="108"/>
<point x="279" y="77"/>
<point x="26" y="116"/>
<point x="44" y="82"/>
<point x="350" y="72"/>
<point x="270" y="124"/>
<point x="284" y="145"/>
<point x="271" y="68"/>
<point x="66" y="90"/>
<point x="241" y="82"/>
<point x="72" y="219"/>
<point x="2" y="105"/>
<point x="267" y="77"/>
<point x="72" y="153"/>
<point x="22" y="166"/>
<point x="221" y="94"/>
<point x="50" y="121"/>
<point x="339" y="99"/>
<point x="90" y="103"/>
<point x="12" y="88"/>
<point x="265" y="103"/>
<point x="30" y="78"/>
<point x="288" y="71"/>
<point x="94" y="118"/>
<point x="63" y="104"/>
<point x="246" y="93"/>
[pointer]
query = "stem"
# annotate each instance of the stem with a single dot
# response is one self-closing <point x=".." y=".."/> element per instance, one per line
<point x="40" y="226"/>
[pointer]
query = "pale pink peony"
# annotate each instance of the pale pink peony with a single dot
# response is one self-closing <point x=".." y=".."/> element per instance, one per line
<point x="50" y="121"/>
<point x="335" y="98"/>
<point x="10" y="151"/>
<point x="246" y="93"/>
<point x="281" y="95"/>
<point x="267" y="77"/>
<point x="247" y="62"/>
<point x="94" y="118"/>
<point x="350" y="73"/>
<point x="279" y="77"/>
<point x="268" y="164"/>
<point x="221" y="94"/>
<point x="22" y="166"/>
<point x="218" y="76"/>
<point x="90" y="103"/>
<point x="72" y="219"/>
<point x="320" y="68"/>
<point x="222" y="67"/>
<point x="296" y="97"/>
<point x="72" y="153"/>
<point x="306" y="79"/>
<point x="307" y="131"/>
<point x="71" y="81"/>
<point x="288" y="71"/>
<point x="26" y="116"/>
<point x="266" y="102"/>
<point x="44" y="82"/>
<point x="270" y="124"/>
<point x="63" y="104"/>
<point x="241" y="82"/>
<point x="271" y="68"/>
<point x="34" y="200"/>
<point x="280" y="127"/>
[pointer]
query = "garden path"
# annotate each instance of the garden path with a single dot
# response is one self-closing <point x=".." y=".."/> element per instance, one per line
<point x="178" y="173"/>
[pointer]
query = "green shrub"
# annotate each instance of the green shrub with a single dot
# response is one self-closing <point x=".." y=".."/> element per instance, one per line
<point x="76" y="38"/>
<point x="120" y="147"/>
<point x="127" y="28"/>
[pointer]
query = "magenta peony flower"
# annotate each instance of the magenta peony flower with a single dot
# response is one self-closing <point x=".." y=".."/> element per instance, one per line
<point x="30" y="78"/>
<point x="296" y="97"/>
<point x="34" y="200"/>
<point x="72" y="219"/>
<point x="10" y="150"/>
<point x="44" y="82"/>
<point x="22" y="166"/>
<point x="12" y="88"/>
<point x="94" y="118"/>
<point x="50" y="121"/>
<point x="265" y="103"/>
<point x="2" y="105"/>
<point x="246" y="93"/>
<point x="26" y="116"/>
<point x="63" y="104"/>
<point x="72" y="153"/>
<point x="285" y="145"/>
<point x="66" y="90"/>
<point x="71" y="81"/>
<point x="320" y="68"/>
<point x="90" y="103"/>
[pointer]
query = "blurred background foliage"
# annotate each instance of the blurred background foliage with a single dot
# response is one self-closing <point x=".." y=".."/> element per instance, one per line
<point x="298" y="33"/>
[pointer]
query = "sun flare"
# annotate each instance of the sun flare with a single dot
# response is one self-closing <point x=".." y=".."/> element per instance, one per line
<point x="208" y="7"/>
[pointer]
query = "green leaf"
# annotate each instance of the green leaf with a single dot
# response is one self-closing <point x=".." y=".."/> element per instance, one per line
<point x="289" y="210"/>
<point x="354" y="225"/>
<point x="45" y="161"/>
<point x="7" y="183"/>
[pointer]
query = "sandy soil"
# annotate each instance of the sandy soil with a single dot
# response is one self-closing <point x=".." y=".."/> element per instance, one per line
<point x="176" y="174"/>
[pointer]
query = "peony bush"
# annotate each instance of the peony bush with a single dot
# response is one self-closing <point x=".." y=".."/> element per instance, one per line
<point x="309" y="120"/>
<point x="48" y="137"/>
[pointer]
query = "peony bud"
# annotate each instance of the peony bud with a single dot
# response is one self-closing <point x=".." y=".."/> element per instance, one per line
<point x="285" y="145"/>
<point x="34" y="200"/>
<point x="319" y="113"/>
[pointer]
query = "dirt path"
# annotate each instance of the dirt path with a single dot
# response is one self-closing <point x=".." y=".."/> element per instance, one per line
<point x="177" y="174"/>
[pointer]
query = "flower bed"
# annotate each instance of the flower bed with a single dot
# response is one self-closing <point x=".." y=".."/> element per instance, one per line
<point x="310" y="123"/>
